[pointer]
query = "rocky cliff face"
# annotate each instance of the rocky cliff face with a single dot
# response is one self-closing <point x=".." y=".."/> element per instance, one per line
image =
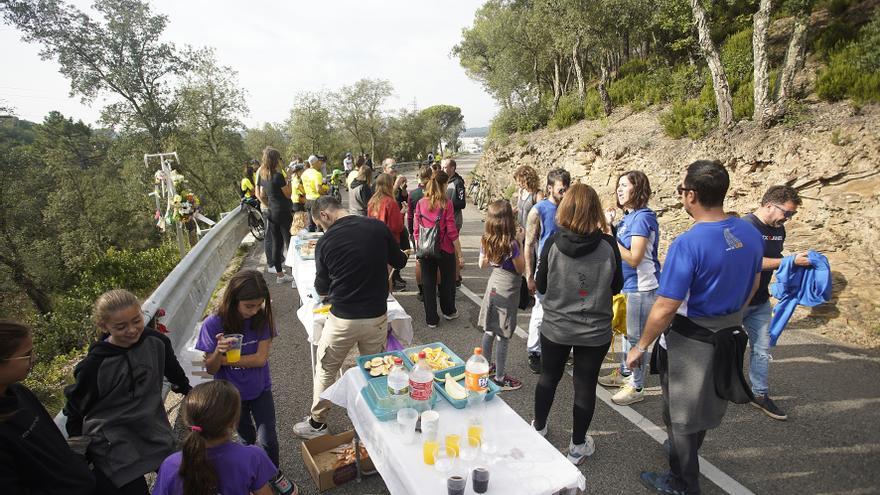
<point x="829" y="152"/>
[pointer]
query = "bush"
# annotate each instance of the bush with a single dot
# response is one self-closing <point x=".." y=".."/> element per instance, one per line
<point x="836" y="34"/>
<point x="854" y="70"/>
<point x="686" y="82"/>
<point x="570" y="111"/>
<point x="69" y="326"/>
<point x="527" y="118"/>
<point x="738" y="59"/>
<point x="48" y="378"/>
<point x="693" y="118"/>
<point x="744" y="101"/>
<point x="593" y="108"/>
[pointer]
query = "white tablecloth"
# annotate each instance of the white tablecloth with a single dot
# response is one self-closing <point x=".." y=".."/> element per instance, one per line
<point x="304" y="274"/>
<point x="538" y="468"/>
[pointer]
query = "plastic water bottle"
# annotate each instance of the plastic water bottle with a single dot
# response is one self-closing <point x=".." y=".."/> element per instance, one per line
<point x="476" y="378"/>
<point x="421" y="384"/>
<point x="398" y="385"/>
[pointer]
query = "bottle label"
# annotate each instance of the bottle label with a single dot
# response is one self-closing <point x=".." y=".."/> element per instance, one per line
<point x="476" y="382"/>
<point x="398" y="392"/>
<point x="421" y="390"/>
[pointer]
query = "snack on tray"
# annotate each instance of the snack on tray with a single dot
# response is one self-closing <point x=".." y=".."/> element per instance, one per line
<point x="307" y="248"/>
<point x="436" y="358"/>
<point x="380" y="365"/>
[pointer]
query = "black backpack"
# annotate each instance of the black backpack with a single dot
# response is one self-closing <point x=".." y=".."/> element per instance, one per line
<point x="428" y="246"/>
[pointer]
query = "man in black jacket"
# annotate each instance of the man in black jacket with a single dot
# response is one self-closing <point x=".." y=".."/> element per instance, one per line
<point x="351" y="261"/>
<point x="455" y="192"/>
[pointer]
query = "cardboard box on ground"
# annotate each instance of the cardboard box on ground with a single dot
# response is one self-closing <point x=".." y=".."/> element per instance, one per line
<point x="324" y="464"/>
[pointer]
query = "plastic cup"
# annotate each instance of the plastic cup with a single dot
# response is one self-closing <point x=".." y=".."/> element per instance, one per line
<point x="443" y="462"/>
<point x="475" y="434"/>
<point x="453" y="444"/>
<point x="456" y="484"/>
<point x="233" y="355"/>
<point x="430" y="424"/>
<point x="480" y="476"/>
<point x="406" y="424"/>
<point x="429" y="450"/>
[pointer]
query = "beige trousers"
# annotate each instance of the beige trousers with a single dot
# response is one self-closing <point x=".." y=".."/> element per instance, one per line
<point x="337" y="339"/>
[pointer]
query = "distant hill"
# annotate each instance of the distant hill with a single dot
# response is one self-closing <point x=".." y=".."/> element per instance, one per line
<point x="476" y="132"/>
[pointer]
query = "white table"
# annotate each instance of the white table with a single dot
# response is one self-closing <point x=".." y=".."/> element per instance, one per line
<point x="399" y="322"/>
<point x="538" y="469"/>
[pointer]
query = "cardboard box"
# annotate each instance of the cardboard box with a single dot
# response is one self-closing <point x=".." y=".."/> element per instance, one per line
<point x="320" y="462"/>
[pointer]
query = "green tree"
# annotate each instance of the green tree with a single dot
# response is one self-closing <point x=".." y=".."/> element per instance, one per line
<point x="358" y="110"/>
<point x="310" y="125"/>
<point x="447" y="123"/>
<point x="270" y="134"/>
<point x="121" y="55"/>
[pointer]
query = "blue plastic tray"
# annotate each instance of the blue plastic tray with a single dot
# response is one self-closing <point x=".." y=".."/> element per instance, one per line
<point x="363" y="359"/>
<point x="375" y="394"/>
<point x="462" y="403"/>
<point x="454" y="370"/>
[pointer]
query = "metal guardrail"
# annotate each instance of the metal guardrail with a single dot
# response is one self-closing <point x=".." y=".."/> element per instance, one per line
<point x="187" y="290"/>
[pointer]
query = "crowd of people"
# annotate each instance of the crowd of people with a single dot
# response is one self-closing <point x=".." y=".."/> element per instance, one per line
<point x="553" y="247"/>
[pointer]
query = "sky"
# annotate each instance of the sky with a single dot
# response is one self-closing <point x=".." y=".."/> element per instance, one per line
<point x="280" y="48"/>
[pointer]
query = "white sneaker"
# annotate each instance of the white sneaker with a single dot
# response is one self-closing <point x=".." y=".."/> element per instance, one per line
<point x="452" y="316"/>
<point x="628" y="394"/>
<point x="270" y="269"/>
<point x="578" y="453"/>
<point x="613" y="379"/>
<point x="284" y="279"/>
<point x="304" y="429"/>
<point x="543" y="432"/>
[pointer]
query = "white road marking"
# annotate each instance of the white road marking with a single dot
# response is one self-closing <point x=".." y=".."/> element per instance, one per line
<point x="707" y="469"/>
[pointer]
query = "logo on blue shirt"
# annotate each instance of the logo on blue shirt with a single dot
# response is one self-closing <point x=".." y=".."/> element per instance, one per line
<point x="732" y="241"/>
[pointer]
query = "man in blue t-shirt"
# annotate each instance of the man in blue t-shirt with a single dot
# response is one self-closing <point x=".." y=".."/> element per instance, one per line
<point x="709" y="275"/>
<point x="778" y="205"/>
<point x="540" y="224"/>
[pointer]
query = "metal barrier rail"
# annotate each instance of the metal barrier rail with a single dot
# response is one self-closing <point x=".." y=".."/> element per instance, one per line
<point x="187" y="290"/>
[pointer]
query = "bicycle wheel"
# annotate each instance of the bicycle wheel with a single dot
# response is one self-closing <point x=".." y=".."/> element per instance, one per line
<point x="255" y="223"/>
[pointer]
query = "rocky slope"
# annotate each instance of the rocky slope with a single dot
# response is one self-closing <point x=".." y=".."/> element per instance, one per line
<point x="829" y="152"/>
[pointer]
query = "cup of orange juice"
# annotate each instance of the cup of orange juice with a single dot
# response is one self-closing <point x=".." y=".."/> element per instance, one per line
<point x="452" y="444"/>
<point x="474" y="434"/>
<point x="429" y="448"/>
<point x="233" y="355"/>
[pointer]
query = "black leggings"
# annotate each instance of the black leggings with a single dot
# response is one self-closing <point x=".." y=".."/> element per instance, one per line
<point x="446" y="265"/>
<point x="587" y="363"/>
<point x="279" y="228"/>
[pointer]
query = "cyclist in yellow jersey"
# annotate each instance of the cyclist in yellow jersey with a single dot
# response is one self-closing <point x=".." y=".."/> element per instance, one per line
<point x="312" y="182"/>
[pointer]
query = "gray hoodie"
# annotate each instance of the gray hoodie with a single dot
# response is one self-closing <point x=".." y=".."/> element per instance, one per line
<point x="116" y="401"/>
<point x="577" y="276"/>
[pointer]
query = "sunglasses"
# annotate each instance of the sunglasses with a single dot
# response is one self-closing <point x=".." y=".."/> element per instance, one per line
<point x="31" y="356"/>
<point x="680" y="189"/>
<point x="785" y="213"/>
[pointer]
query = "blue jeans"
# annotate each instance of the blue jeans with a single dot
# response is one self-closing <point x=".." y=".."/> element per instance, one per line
<point x="638" y="307"/>
<point x="756" y="321"/>
<point x="260" y="412"/>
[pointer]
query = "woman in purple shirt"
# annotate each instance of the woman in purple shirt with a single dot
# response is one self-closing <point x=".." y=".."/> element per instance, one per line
<point x="210" y="462"/>
<point x="247" y="310"/>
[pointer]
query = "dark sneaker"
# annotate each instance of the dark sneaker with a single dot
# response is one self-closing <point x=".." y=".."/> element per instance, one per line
<point x="507" y="382"/>
<point x="398" y="284"/>
<point x="420" y="297"/>
<point x="766" y="405"/>
<point x="283" y="486"/>
<point x="661" y="483"/>
<point x="535" y="363"/>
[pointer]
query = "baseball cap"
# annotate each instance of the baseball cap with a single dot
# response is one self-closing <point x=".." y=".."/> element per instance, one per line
<point x="312" y="159"/>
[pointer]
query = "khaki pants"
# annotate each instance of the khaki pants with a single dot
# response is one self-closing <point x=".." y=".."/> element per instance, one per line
<point x="337" y="339"/>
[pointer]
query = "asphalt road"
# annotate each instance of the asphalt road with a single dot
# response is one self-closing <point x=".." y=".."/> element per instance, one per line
<point x="831" y="392"/>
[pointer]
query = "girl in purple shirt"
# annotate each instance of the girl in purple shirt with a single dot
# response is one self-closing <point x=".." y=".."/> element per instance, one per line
<point x="247" y="310"/>
<point x="210" y="462"/>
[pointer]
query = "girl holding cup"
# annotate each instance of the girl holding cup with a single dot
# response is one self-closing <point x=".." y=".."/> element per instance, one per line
<point x="243" y="320"/>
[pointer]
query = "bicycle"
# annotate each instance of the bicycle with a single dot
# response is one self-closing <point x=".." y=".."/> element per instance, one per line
<point x="474" y="188"/>
<point x="482" y="196"/>
<point x="256" y="222"/>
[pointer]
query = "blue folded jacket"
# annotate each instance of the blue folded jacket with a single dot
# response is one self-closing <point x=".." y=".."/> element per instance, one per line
<point x="804" y="285"/>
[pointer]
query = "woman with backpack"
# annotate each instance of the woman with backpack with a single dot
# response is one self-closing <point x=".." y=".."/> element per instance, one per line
<point x="437" y="248"/>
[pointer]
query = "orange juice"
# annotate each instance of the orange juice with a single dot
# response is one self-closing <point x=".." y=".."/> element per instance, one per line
<point x="429" y="448"/>
<point x="452" y="445"/>
<point x="233" y="356"/>
<point x="475" y="435"/>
